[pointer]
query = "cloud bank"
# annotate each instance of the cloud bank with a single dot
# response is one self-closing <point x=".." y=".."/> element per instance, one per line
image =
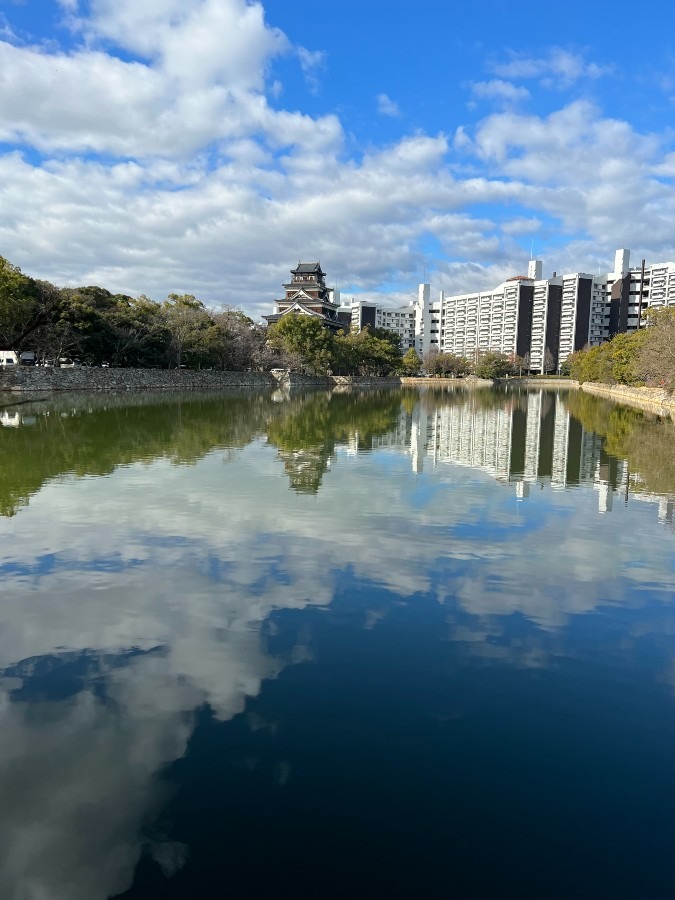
<point x="154" y="154"/>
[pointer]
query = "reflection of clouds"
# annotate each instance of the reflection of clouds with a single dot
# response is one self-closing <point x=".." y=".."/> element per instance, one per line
<point x="193" y="560"/>
<point x="78" y="776"/>
<point x="247" y="545"/>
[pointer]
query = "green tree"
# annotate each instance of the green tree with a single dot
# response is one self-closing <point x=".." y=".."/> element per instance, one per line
<point x="186" y="320"/>
<point x="411" y="362"/>
<point x="614" y="362"/>
<point x="25" y="304"/>
<point x="138" y="333"/>
<point x="368" y="352"/>
<point x="306" y="338"/>
<point x="492" y="365"/>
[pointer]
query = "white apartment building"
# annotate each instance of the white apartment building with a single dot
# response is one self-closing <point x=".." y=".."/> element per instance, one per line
<point x="469" y="324"/>
<point x="400" y="320"/>
<point x="543" y="319"/>
<point x="621" y="296"/>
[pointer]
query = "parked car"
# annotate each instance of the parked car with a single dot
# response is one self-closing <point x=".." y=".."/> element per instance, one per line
<point x="17" y="358"/>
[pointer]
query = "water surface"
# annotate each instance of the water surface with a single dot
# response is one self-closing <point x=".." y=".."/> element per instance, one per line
<point x="382" y="644"/>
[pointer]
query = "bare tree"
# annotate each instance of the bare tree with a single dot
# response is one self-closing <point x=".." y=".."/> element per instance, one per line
<point x="549" y="362"/>
<point x="656" y="358"/>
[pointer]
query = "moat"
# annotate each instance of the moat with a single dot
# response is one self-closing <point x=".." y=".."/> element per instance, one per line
<point x="398" y="643"/>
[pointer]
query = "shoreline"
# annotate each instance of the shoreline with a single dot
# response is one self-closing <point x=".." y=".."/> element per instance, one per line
<point x="30" y="380"/>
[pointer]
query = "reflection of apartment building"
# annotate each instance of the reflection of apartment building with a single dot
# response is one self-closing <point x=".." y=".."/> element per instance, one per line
<point x="399" y="436"/>
<point x="543" y="319"/>
<point x="529" y="440"/>
<point x="666" y="506"/>
<point x="470" y="436"/>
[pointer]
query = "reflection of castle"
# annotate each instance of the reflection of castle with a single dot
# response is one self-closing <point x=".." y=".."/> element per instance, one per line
<point x="306" y="467"/>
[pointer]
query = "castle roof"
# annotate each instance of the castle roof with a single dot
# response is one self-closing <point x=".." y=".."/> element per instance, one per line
<point x="309" y="268"/>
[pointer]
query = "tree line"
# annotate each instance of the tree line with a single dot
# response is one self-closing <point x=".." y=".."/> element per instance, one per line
<point x="642" y="357"/>
<point x="377" y="351"/>
<point x="96" y="327"/>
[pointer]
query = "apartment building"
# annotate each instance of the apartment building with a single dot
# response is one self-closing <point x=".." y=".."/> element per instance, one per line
<point x="621" y="297"/>
<point x="470" y="324"/>
<point x="400" y="320"/>
<point x="543" y="320"/>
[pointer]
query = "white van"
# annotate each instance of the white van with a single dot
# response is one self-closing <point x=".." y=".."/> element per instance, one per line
<point x="17" y="358"/>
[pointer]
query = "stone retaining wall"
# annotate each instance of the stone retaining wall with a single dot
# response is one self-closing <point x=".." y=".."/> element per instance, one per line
<point x="654" y="400"/>
<point x="41" y="379"/>
<point x="38" y="379"/>
<point x="45" y="378"/>
<point x="468" y="382"/>
<point x="361" y="381"/>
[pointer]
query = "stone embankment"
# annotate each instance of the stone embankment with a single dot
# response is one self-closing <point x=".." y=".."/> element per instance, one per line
<point x="41" y="379"/>
<point x="654" y="400"/>
<point x="468" y="382"/>
<point x="47" y="378"/>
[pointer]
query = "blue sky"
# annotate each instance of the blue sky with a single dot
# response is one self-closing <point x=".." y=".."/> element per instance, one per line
<point x="206" y="145"/>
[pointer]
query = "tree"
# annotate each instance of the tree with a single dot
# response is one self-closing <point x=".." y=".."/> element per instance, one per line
<point x="614" y="362"/>
<point x="549" y="362"/>
<point x="138" y="332"/>
<point x="655" y="360"/>
<point x="566" y="366"/>
<point x="368" y="352"/>
<point x="25" y="304"/>
<point x="232" y="340"/>
<point x="411" y="362"/>
<point x="450" y="365"/>
<point x="429" y="360"/>
<point x="492" y="365"/>
<point x="185" y="318"/>
<point x="305" y="337"/>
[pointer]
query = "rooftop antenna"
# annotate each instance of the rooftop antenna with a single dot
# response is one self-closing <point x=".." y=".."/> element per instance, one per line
<point x="531" y="249"/>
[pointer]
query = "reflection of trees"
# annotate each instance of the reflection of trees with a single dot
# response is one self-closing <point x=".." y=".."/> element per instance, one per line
<point x="310" y="428"/>
<point x="92" y="435"/>
<point x="85" y="440"/>
<point x="646" y="442"/>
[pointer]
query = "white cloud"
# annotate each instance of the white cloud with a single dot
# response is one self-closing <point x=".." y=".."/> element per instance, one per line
<point x="521" y="225"/>
<point x="387" y="107"/>
<point x="558" y="68"/>
<point x="497" y="89"/>
<point x="177" y="144"/>
<point x="311" y="63"/>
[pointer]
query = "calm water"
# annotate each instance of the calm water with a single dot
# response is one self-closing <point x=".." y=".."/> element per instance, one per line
<point x="385" y="645"/>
